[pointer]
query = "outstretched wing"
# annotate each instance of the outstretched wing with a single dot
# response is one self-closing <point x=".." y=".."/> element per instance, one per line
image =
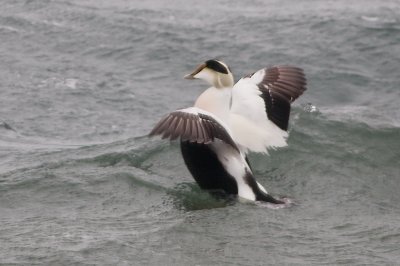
<point x="193" y="125"/>
<point x="264" y="97"/>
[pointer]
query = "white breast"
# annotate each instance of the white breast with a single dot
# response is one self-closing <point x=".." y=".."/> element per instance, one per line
<point x="215" y="101"/>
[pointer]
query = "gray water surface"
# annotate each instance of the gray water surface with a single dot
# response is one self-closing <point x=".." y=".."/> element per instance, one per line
<point x="83" y="82"/>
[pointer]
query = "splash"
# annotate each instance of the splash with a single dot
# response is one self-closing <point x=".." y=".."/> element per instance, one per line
<point x="287" y="203"/>
<point x="310" y="108"/>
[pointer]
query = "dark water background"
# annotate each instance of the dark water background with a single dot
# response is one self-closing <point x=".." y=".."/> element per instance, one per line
<point x="83" y="81"/>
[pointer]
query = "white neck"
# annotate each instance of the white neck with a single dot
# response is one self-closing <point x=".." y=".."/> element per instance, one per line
<point x="216" y="101"/>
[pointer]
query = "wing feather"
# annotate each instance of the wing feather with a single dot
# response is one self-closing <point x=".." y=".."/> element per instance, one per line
<point x="194" y="125"/>
<point x="279" y="86"/>
<point x="199" y="138"/>
<point x="160" y="125"/>
<point x="179" y="128"/>
<point x="261" y="98"/>
<point x="200" y="129"/>
<point x="169" y="132"/>
<point x="186" y="130"/>
<point x="193" y="128"/>
<point x="284" y="84"/>
<point x="209" y="132"/>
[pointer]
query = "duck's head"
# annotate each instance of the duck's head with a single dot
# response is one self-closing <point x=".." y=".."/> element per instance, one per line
<point x="215" y="72"/>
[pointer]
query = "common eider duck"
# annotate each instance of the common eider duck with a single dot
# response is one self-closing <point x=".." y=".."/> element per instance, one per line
<point x="230" y="120"/>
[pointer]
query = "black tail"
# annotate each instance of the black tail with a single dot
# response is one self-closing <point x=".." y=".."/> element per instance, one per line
<point x="260" y="195"/>
<point x="267" y="198"/>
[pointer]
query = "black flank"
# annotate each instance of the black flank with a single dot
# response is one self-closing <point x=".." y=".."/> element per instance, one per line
<point x="206" y="169"/>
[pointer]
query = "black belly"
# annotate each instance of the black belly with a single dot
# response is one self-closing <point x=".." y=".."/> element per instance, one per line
<point x="206" y="169"/>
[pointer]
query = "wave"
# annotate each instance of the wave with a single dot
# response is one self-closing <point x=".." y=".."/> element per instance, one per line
<point x="323" y="149"/>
